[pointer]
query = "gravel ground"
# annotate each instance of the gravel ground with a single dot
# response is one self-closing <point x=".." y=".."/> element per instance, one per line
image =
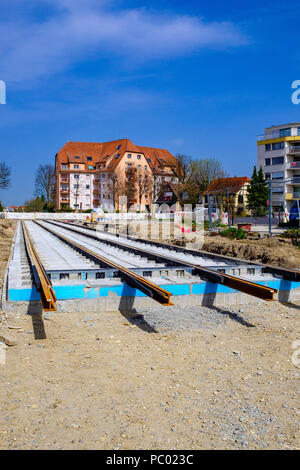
<point x="197" y="379"/>
<point x="161" y="378"/>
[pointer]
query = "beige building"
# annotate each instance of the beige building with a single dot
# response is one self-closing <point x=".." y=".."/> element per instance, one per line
<point x="237" y="189"/>
<point x="91" y="175"/>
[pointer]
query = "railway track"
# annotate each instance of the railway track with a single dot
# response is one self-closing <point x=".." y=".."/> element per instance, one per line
<point x="40" y="277"/>
<point x="129" y="277"/>
<point x="239" y="284"/>
<point x="288" y="274"/>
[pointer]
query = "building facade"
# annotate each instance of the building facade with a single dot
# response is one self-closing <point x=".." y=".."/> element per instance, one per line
<point x="237" y="191"/>
<point x="278" y="153"/>
<point x="91" y="175"/>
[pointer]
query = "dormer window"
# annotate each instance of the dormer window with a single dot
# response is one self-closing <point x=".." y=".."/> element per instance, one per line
<point x="76" y="157"/>
<point x="119" y="146"/>
<point x="89" y="159"/>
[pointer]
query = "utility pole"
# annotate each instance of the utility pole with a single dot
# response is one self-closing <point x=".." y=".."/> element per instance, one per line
<point x="209" y="211"/>
<point x="270" y="207"/>
<point x="228" y="208"/>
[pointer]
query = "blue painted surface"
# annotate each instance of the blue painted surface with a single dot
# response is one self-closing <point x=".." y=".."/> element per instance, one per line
<point x="80" y="292"/>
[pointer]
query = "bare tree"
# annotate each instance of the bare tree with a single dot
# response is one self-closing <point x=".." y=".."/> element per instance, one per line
<point x="115" y="188"/>
<point x="181" y="170"/>
<point x="45" y="182"/>
<point x="130" y="185"/>
<point x="143" y="186"/>
<point x="4" y="176"/>
<point x="76" y="191"/>
<point x="202" y="173"/>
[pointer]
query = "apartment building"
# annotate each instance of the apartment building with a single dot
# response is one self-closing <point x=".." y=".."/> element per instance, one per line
<point x="91" y="175"/>
<point x="278" y="153"/>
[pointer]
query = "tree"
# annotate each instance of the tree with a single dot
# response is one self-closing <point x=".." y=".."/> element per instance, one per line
<point x="115" y="188"/>
<point x="257" y="193"/>
<point x="4" y="176"/>
<point x="45" y="182"/>
<point x="202" y="173"/>
<point x="35" y="205"/>
<point x="181" y="170"/>
<point x="130" y="186"/>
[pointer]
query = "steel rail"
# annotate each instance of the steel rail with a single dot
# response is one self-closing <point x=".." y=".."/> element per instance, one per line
<point x="129" y="277"/>
<point x="288" y="274"/>
<point x="242" y="285"/>
<point x="40" y="277"/>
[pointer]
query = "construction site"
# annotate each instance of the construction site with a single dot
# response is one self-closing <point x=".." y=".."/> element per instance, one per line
<point x="127" y="342"/>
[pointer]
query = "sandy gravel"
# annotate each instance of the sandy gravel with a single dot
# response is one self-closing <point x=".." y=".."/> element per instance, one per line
<point x="160" y="379"/>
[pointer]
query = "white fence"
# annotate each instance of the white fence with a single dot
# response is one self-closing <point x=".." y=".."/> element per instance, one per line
<point x="69" y="216"/>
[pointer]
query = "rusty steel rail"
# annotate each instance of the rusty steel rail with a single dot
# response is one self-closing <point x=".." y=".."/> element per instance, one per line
<point x="236" y="283"/>
<point x="129" y="277"/>
<point x="288" y="274"/>
<point x="41" y="280"/>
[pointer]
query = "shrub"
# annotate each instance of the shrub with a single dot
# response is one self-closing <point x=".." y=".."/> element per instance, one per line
<point x="233" y="233"/>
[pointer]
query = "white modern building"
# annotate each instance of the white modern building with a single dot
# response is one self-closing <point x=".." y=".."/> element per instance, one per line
<point x="278" y="153"/>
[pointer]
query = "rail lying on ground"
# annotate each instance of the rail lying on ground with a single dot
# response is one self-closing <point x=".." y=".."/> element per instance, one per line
<point x="129" y="277"/>
<point x="288" y="274"/>
<point x="41" y="280"/>
<point x="242" y="285"/>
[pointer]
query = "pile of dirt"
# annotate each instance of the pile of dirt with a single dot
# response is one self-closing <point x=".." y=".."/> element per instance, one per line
<point x="275" y="251"/>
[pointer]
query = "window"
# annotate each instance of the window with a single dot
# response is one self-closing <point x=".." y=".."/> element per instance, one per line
<point x="76" y="157"/>
<point x="118" y="156"/>
<point x="277" y="160"/>
<point x="149" y="160"/>
<point x="240" y="199"/>
<point x="76" y="167"/>
<point x="76" y="177"/>
<point x="267" y="176"/>
<point x="90" y="167"/>
<point x="298" y="130"/>
<point x="103" y="176"/>
<point x="279" y="189"/>
<point x="119" y="146"/>
<point x="138" y="157"/>
<point x="277" y="175"/>
<point x="267" y="161"/>
<point x="278" y="146"/>
<point x="145" y="167"/>
<point x="285" y="132"/>
<point x="76" y="186"/>
<point x="89" y="159"/>
<point x="268" y="147"/>
<point x="87" y="186"/>
<point x="64" y="167"/>
<point x="129" y="155"/>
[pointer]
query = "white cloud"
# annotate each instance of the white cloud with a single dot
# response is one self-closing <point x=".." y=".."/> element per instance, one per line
<point x="79" y="29"/>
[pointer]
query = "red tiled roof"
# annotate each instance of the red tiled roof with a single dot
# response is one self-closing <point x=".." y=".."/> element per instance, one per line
<point x="234" y="185"/>
<point x="107" y="151"/>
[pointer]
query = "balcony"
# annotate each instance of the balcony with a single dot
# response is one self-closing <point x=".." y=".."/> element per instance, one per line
<point x="270" y="135"/>
<point x="293" y="165"/>
<point x="294" y="150"/>
<point x="295" y="180"/>
<point x="292" y="196"/>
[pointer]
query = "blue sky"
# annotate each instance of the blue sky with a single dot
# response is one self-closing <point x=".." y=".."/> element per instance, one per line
<point x="201" y="78"/>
